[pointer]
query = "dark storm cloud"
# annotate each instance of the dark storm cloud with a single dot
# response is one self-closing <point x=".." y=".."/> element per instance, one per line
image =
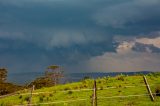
<point x="59" y="22"/>
<point x="37" y="33"/>
<point x="129" y="13"/>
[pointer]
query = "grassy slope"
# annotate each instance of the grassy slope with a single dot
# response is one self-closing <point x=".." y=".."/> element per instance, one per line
<point x="118" y="82"/>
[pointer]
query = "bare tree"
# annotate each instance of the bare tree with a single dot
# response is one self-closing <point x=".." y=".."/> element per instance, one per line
<point x="54" y="72"/>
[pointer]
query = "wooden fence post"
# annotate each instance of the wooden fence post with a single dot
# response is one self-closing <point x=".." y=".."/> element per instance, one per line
<point x="148" y="88"/>
<point x="94" y="96"/>
<point x="30" y="98"/>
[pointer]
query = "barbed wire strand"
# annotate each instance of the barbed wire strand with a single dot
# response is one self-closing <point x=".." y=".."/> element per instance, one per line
<point x="126" y="96"/>
<point x="36" y="93"/>
<point x="83" y="90"/>
<point x="53" y="102"/>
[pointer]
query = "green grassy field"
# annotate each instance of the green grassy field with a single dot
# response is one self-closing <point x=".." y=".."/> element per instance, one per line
<point x="110" y="89"/>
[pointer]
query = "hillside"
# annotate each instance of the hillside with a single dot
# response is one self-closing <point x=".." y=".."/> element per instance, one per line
<point x="121" y="90"/>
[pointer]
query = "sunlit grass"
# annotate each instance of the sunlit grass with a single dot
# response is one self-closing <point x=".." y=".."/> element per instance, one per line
<point x="107" y="87"/>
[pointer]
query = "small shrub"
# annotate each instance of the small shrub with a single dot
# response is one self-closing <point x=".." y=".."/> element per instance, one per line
<point x="20" y="97"/>
<point x="120" y="78"/>
<point x="101" y="88"/>
<point x="26" y="98"/>
<point x="85" y="86"/>
<point x="50" y="95"/>
<point x="81" y="86"/>
<point x="70" y="92"/>
<point x="120" y="86"/>
<point x="99" y="81"/>
<point x="41" y="99"/>
<point x="76" y="87"/>
<point x="157" y="90"/>
<point x="67" y="88"/>
<point x="106" y="80"/>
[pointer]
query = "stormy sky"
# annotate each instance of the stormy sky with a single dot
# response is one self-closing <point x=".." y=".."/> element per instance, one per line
<point x="80" y="35"/>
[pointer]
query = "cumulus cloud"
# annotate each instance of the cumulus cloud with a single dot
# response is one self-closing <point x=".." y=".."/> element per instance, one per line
<point x="128" y="12"/>
<point x="125" y="47"/>
<point x="126" y="58"/>
<point x="131" y="61"/>
<point x="150" y="41"/>
<point x="128" y="43"/>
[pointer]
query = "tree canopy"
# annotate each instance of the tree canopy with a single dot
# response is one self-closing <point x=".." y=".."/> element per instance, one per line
<point x="53" y="67"/>
<point x="3" y="74"/>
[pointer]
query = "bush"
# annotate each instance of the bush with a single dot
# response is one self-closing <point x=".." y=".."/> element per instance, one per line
<point x="119" y="91"/>
<point x="26" y="98"/>
<point x="20" y="97"/>
<point x="41" y="82"/>
<point x="67" y="88"/>
<point x="41" y="98"/>
<point x="50" y="95"/>
<point x="6" y="88"/>
<point x="101" y="88"/>
<point x="70" y="92"/>
<point x="157" y="90"/>
<point x="120" y="78"/>
<point x="85" y="86"/>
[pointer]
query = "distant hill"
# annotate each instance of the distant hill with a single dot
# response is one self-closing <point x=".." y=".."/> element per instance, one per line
<point x="27" y="77"/>
<point x="78" y="76"/>
<point x="23" y="78"/>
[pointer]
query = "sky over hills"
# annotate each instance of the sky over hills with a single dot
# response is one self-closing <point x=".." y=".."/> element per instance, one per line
<point x="80" y="35"/>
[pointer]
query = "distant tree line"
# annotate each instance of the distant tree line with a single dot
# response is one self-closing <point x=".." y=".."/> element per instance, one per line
<point x="51" y="77"/>
<point x="6" y="87"/>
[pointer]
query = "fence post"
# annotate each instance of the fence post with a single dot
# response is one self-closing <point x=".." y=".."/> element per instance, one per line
<point x="30" y="98"/>
<point x="94" y="96"/>
<point x="148" y="88"/>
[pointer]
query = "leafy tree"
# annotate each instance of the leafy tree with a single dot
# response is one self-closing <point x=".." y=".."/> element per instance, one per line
<point x="52" y="76"/>
<point x="53" y="67"/>
<point x="3" y="75"/>
<point x="41" y="82"/>
<point x="6" y="88"/>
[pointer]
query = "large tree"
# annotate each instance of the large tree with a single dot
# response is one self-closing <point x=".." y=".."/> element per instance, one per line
<point x="6" y="87"/>
<point x="54" y="72"/>
<point x="3" y="75"/>
<point x="41" y="82"/>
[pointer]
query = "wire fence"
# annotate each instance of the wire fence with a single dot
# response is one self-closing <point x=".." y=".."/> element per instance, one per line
<point x="68" y="101"/>
<point x="78" y="90"/>
<point x="47" y="103"/>
<point x="93" y="98"/>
